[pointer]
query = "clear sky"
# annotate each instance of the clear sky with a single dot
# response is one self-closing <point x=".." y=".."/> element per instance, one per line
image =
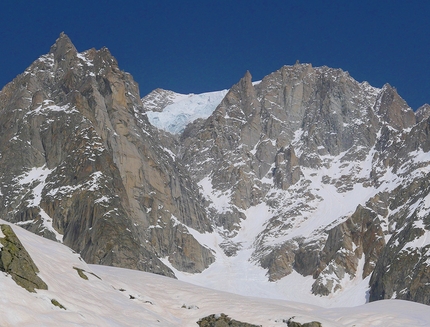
<point x="207" y="45"/>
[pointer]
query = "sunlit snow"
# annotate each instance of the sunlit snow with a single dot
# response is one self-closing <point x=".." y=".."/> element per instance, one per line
<point x="184" y="110"/>
<point x="121" y="297"/>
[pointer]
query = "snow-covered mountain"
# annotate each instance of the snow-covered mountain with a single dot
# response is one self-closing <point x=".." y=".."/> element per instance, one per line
<point x="306" y="186"/>
<point x="172" y="111"/>
<point x="302" y="173"/>
<point x="79" y="294"/>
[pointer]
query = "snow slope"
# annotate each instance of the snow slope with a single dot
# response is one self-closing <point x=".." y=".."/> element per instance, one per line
<point x="184" y="109"/>
<point x="240" y="275"/>
<point x="120" y="297"/>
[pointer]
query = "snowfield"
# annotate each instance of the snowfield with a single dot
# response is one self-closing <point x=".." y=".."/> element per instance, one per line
<point x="120" y="297"/>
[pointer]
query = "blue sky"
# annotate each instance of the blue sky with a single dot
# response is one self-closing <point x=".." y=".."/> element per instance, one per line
<point x="197" y="46"/>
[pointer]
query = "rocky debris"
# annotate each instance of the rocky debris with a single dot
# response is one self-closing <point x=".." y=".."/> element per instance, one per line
<point x="16" y="262"/>
<point x="222" y="320"/>
<point x="82" y="273"/>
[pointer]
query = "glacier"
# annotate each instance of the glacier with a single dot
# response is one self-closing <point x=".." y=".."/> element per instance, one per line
<point x="185" y="109"/>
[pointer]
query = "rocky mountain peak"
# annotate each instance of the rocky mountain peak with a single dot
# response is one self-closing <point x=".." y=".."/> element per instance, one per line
<point x="423" y="112"/>
<point x="104" y="60"/>
<point x="394" y="110"/>
<point x="63" y="50"/>
<point x="91" y="173"/>
<point x="241" y="99"/>
<point x="158" y="99"/>
<point x="246" y="80"/>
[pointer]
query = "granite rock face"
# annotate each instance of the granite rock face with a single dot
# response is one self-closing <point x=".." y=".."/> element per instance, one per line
<point x="79" y="165"/>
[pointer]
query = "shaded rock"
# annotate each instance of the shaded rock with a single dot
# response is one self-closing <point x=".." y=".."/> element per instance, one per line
<point x="402" y="270"/>
<point x="359" y="235"/>
<point x="307" y="258"/>
<point x="279" y="262"/>
<point x="287" y="170"/>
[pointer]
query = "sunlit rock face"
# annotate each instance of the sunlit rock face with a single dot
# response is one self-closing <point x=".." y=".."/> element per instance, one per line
<point x="77" y="165"/>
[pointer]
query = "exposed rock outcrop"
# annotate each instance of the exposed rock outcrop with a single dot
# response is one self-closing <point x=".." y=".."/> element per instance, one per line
<point x="287" y="169"/>
<point x="292" y="323"/>
<point x="222" y="320"/>
<point x="16" y="262"/>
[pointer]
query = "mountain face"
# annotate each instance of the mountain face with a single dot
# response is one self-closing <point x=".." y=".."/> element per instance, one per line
<point x="342" y="169"/>
<point x="307" y="172"/>
<point x="77" y="165"/>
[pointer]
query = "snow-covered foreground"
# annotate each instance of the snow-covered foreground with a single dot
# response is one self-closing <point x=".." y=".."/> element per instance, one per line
<point x="121" y="297"/>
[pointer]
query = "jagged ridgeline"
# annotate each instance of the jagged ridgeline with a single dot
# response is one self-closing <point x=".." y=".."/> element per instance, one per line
<point x="307" y="171"/>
